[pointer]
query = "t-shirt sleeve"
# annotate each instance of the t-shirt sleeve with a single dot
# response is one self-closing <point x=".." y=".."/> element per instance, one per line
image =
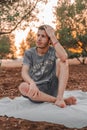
<point x="27" y="59"/>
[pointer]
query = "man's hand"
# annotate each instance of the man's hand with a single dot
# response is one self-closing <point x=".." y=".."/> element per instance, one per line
<point x="33" y="90"/>
<point x="51" y="33"/>
<point x="49" y="30"/>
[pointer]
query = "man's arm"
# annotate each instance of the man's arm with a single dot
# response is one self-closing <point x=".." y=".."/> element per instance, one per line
<point x="63" y="65"/>
<point x="33" y="89"/>
<point x="60" y="51"/>
<point x="25" y="74"/>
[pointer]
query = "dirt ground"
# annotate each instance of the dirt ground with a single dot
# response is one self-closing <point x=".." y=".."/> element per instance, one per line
<point x="10" y="78"/>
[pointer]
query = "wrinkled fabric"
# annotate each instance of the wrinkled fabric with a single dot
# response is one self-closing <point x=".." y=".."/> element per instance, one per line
<point x="74" y="116"/>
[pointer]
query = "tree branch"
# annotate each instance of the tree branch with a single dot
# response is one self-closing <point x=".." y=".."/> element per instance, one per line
<point x="28" y="13"/>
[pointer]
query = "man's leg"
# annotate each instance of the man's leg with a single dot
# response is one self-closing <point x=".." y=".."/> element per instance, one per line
<point x="62" y="72"/>
<point x="24" y="90"/>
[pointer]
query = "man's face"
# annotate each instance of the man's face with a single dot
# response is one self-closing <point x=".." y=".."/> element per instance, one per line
<point x="42" y="39"/>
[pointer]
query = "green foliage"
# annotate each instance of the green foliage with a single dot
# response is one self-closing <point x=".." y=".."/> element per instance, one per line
<point x="28" y="43"/>
<point x="80" y="6"/>
<point x="72" y="55"/>
<point x="84" y="53"/>
<point x="31" y="38"/>
<point x="71" y="11"/>
<point x="83" y="40"/>
<point x="10" y="18"/>
<point x="14" y="12"/>
<point x="32" y="44"/>
<point x="4" y="46"/>
<point x="13" y="48"/>
<point x="72" y="18"/>
<point x="66" y="39"/>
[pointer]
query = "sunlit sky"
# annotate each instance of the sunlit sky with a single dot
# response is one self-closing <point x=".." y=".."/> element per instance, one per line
<point x="45" y="16"/>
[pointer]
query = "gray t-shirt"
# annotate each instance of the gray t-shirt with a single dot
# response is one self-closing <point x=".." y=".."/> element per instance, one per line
<point x="41" y="68"/>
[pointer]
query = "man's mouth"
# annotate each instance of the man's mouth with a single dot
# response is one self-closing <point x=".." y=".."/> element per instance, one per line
<point x="39" y="43"/>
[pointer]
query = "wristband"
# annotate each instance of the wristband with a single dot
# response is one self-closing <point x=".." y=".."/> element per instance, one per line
<point x="55" y="43"/>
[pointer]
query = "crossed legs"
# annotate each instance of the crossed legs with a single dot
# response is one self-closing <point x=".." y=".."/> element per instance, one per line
<point x="24" y="90"/>
<point x="41" y="96"/>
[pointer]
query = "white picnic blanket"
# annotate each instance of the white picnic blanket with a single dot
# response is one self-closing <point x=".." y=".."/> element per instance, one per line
<point x="74" y="116"/>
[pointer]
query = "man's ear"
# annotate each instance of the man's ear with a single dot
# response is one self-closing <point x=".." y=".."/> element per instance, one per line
<point x="50" y="42"/>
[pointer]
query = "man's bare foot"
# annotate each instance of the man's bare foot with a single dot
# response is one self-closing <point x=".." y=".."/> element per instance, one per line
<point x="67" y="101"/>
<point x="61" y="103"/>
<point x="70" y="100"/>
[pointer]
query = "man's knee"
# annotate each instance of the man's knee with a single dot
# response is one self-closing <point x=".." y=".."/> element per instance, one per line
<point x="63" y="64"/>
<point x="23" y="88"/>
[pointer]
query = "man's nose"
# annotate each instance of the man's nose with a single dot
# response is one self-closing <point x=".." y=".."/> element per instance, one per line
<point x="39" y="38"/>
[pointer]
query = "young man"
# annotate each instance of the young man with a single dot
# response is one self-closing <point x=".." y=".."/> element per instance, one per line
<point x="45" y="70"/>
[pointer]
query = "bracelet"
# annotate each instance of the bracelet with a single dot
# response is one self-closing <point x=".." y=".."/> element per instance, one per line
<point x="55" y="43"/>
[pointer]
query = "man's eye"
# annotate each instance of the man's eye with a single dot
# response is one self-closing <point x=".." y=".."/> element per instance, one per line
<point x="38" y="35"/>
<point x="43" y="36"/>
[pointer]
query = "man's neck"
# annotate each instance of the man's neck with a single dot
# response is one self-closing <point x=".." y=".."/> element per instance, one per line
<point x="41" y="51"/>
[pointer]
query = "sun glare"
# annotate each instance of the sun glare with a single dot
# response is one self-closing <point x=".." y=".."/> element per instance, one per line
<point x="19" y="36"/>
<point x="72" y="1"/>
<point x="45" y="16"/>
